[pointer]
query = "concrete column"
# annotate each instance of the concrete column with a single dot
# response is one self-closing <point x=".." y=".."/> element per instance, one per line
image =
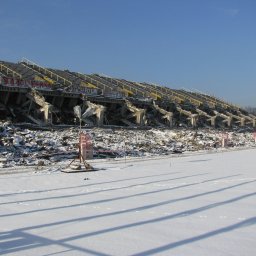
<point x="253" y="122"/>
<point x="193" y="119"/>
<point x="213" y="121"/>
<point x="242" y="121"/>
<point x="100" y="115"/>
<point x="47" y="114"/>
<point x="229" y="121"/>
<point x="140" y="117"/>
<point x="30" y="106"/>
<point x="6" y="98"/>
<point x="19" y="98"/>
<point x="169" y="118"/>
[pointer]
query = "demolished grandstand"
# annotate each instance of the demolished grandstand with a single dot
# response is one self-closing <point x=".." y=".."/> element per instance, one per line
<point x="47" y="97"/>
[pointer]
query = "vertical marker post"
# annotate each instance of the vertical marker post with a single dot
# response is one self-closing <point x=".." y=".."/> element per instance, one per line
<point x="224" y="140"/>
<point x="85" y="146"/>
<point x="254" y="136"/>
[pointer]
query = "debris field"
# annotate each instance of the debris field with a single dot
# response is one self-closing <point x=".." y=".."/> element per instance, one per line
<point x="27" y="147"/>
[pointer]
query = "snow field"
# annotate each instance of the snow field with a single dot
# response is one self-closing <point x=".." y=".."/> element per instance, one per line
<point x="194" y="205"/>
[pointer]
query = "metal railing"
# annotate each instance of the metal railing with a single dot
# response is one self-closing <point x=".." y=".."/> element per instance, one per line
<point x="99" y="84"/>
<point x="47" y="72"/>
<point x="8" y="70"/>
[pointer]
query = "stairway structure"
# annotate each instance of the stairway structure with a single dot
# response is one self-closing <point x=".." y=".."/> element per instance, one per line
<point x="110" y="99"/>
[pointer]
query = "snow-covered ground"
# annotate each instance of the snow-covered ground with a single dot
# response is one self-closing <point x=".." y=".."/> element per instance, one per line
<point x="193" y="205"/>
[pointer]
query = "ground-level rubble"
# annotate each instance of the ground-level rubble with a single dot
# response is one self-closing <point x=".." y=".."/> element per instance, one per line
<point x="21" y="146"/>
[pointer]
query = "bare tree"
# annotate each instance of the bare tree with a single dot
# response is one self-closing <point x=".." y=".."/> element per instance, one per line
<point x="251" y="110"/>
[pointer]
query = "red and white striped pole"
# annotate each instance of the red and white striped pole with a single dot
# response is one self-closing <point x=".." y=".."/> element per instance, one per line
<point x="85" y="146"/>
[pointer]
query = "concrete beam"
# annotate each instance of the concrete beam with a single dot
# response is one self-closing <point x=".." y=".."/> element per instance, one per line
<point x="138" y="113"/>
<point x="241" y="120"/>
<point x="192" y="117"/>
<point x="212" y="119"/>
<point x="227" y="119"/>
<point x="166" y="114"/>
<point x="34" y="120"/>
<point x="94" y="109"/>
<point x="251" y="119"/>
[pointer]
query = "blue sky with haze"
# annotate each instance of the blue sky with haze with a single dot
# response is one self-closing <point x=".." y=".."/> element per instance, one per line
<point x="208" y="45"/>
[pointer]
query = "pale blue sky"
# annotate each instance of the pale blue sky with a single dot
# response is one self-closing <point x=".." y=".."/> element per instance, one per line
<point x="208" y="45"/>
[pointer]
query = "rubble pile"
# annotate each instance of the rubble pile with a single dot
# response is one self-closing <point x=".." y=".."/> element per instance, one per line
<point x="163" y="142"/>
<point x="25" y="147"/>
<point x="32" y="147"/>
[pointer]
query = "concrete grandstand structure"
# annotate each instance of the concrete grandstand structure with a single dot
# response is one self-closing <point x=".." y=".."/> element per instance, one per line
<point x="47" y="96"/>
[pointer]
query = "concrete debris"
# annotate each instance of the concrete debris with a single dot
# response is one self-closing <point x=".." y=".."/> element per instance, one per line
<point x="39" y="99"/>
<point x="25" y="147"/>
<point x="94" y="109"/>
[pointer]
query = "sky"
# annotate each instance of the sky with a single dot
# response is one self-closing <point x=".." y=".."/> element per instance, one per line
<point x="204" y="45"/>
